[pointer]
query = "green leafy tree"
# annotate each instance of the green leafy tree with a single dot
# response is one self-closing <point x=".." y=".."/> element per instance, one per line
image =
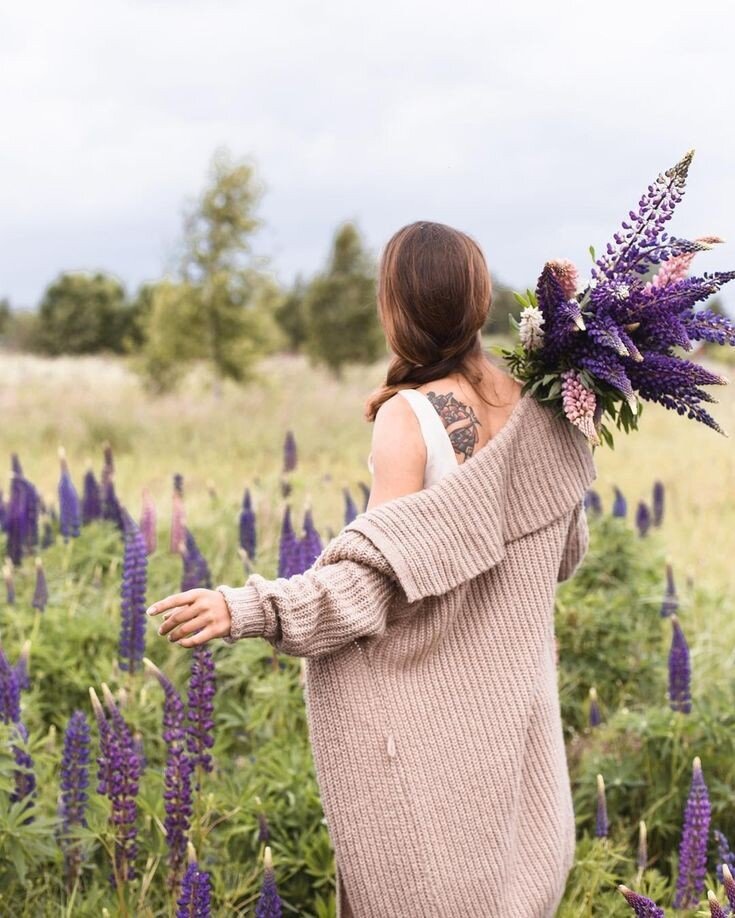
<point x="503" y="305"/>
<point x="219" y="308"/>
<point x="4" y="315"/>
<point x="340" y="309"/>
<point x="290" y="314"/>
<point x="83" y="313"/>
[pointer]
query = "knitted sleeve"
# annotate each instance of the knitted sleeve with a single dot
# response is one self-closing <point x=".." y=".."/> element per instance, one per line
<point x="577" y="543"/>
<point x="347" y="593"/>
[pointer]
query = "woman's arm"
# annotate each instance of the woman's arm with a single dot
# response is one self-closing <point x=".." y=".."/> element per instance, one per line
<point x="578" y="540"/>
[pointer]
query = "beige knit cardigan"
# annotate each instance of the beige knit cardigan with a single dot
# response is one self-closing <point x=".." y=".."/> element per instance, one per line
<point x="431" y="688"/>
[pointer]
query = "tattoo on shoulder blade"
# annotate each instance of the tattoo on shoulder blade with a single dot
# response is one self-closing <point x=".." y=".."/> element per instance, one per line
<point x="460" y="421"/>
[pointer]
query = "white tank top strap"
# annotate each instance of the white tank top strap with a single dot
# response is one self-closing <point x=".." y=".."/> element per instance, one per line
<point x="440" y="455"/>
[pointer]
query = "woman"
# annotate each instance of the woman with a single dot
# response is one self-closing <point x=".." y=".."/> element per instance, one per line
<point x="427" y="622"/>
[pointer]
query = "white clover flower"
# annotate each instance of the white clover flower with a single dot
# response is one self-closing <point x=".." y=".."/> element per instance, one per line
<point x="529" y="329"/>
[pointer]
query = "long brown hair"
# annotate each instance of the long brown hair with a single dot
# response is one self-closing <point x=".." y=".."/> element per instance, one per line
<point x="434" y="296"/>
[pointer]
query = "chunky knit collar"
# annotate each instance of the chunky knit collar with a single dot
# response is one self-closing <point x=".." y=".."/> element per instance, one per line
<point x="534" y="470"/>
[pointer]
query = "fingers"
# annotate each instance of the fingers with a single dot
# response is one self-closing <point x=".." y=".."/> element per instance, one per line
<point x="201" y="637"/>
<point x="178" y="616"/>
<point x="171" y="602"/>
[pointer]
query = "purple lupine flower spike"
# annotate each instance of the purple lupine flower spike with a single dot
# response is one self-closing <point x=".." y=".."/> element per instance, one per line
<point x="269" y="903"/>
<point x="91" y="496"/>
<point x="350" y="508"/>
<point x="289" y="452"/>
<point x="200" y="708"/>
<point x="177" y="776"/>
<point x="133" y="603"/>
<point x="118" y="776"/>
<point x="724" y="855"/>
<point x="658" y="503"/>
<point x="111" y="508"/>
<point x="601" y="823"/>
<point x="25" y="779"/>
<point x="670" y="603"/>
<point x="641" y="905"/>
<point x="311" y="543"/>
<point x="69" y="509"/>
<point x="715" y="909"/>
<point x="178" y="516"/>
<point x="288" y="546"/>
<point x="74" y="783"/>
<point x="365" y="494"/>
<point x="9" y="585"/>
<point x="595" y="718"/>
<point x="248" y="538"/>
<point x="592" y="502"/>
<point x="643" y="518"/>
<point x="680" y="673"/>
<point x="40" y="592"/>
<point x="196" y="571"/>
<point x="48" y="538"/>
<point x="620" y="505"/>
<point x="263" y="828"/>
<point x="148" y="521"/>
<point x="728" y="881"/>
<point x="21" y="523"/>
<point x="21" y="666"/>
<point x="642" y="853"/>
<point x="10" y="682"/>
<point x="195" y="898"/>
<point x="693" y="846"/>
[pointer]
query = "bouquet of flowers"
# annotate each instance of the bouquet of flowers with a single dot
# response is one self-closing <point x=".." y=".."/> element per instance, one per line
<point x="595" y="352"/>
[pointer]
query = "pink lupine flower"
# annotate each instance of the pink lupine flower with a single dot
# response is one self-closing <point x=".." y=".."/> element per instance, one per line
<point x="148" y="521"/>
<point x="677" y="268"/>
<point x="567" y="274"/>
<point x="579" y="405"/>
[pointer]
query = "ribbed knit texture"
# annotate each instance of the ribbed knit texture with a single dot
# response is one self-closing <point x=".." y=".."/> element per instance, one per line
<point x="431" y="689"/>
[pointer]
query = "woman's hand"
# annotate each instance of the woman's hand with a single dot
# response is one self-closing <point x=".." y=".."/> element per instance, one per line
<point x="200" y="610"/>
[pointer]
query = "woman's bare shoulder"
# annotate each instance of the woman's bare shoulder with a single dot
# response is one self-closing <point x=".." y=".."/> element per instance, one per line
<point x="398" y="451"/>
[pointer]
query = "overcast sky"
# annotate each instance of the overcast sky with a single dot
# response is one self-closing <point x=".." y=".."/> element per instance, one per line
<point x="533" y="126"/>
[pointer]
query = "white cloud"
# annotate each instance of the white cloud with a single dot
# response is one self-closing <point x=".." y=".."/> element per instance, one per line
<point x="535" y="127"/>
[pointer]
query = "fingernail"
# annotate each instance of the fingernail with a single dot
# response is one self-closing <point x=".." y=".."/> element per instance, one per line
<point x="150" y="610"/>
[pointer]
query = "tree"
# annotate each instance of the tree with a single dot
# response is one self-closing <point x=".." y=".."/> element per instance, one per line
<point x="340" y="308"/>
<point x="219" y="308"/>
<point x="4" y="314"/>
<point x="503" y="304"/>
<point x="290" y="314"/>
<point x="83" y="313"/>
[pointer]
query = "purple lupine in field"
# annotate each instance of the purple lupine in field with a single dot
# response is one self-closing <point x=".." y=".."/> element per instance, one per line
<point x="47" y="537"/>
<point x="269" y="903"/>
<point x="365" y="494"/>
<point x="91" y="497"/>
<point x="21" y="666"/>
<point x="620" y="505"/>
<point x="641" y="905"/>
<point x="671" y="601"/>
<point x="3" y="511"/>
<point x="592" y="502"/>
<point x="595" y="718"/>
<point x="601" y="823"/>
<point x="658" y="503"/>
<point x="148" y="521"/>
<point x="715" y="909"/>
<point x="177" y="776"/>
<point x="118" y="778"/>
<point x="196" y="571"/>
<point x="693" y="846"/>
<point x="680" y="673"/>
<point x="641" y="859"/>
<point x="10" y="683"/>
<point x="178" y="516"/>
<point x="729" y="883"/>
<point x="111" y="508"/>
<point x="21" y="523"/>
<point x="350" y="507"/>
<point x="642" y="518"/>
<point x="69" y="511"/>
<point x="200" y="708"/>
<point x="289" y="452"/>
<point x="264" y="832"/>
<point x="133" y="604"/>
<point x="311" y="543"/>
<point x="289" y="550"/>
<point x="248" y="537"/>
<point x="40" y="590"/>
<point x="724" y="854"/>
<point x="74" y="782"/>
<point x="24" y="777"/>
<point x="195" y="898"/>
<point x="9" y="584"/>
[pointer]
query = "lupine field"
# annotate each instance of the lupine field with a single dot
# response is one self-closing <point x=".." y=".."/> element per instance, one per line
<point x="141" y="778"/>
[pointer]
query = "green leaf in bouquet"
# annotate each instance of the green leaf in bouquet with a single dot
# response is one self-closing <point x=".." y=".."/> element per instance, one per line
<point x="520" y="299"/>
<point x="592" y="252"/>
<point x="532" y="297"/>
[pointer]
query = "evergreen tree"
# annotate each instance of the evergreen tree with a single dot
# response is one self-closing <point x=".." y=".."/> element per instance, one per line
<point x="340" y="307"/>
